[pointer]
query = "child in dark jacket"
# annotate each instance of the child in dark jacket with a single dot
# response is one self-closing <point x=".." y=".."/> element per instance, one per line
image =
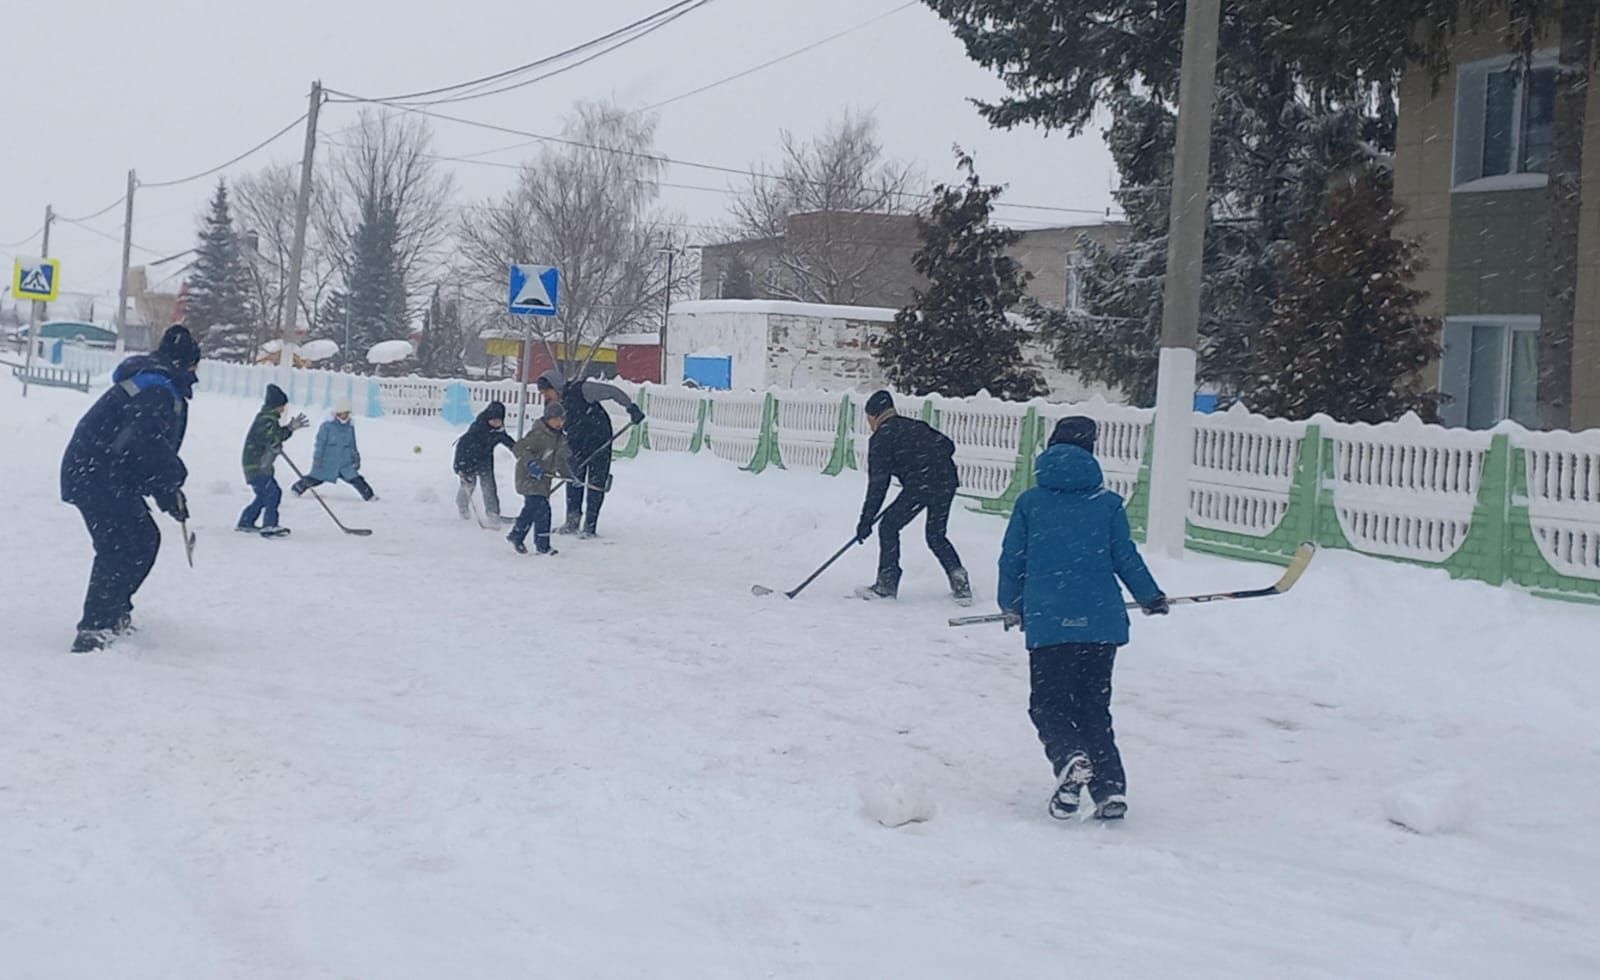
<point x="261" y="447"/>
<point x="474" y="462"/>
<point x="541" y="455"/>
<point x="1065" y="549"/>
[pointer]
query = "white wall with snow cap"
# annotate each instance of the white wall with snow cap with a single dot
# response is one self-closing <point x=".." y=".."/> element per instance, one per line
<point x="722" y="326"/>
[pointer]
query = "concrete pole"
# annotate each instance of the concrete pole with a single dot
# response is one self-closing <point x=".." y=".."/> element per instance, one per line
<point x="297" y="251"/>
<point x="1173" y="449"/>
<point x="39" y="310"/>
<point x="122" y="284"/>
<point x="666" y="312"/>
<point x="524" y="365"/>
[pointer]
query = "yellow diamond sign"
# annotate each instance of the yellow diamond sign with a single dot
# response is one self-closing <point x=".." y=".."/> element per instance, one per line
<point x="36" y="279"/>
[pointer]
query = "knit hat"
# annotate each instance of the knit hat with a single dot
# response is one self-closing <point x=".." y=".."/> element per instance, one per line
<point x="342" y="407"/>
<point x="553" y="410"/>
<point x="496" y="410"/>
<point x="276" y="397"/>
<point x="179" y="346"/>
<point x="880" y="402"/>
<point x="552" y="379"/>
<point x="1075" y="430"/>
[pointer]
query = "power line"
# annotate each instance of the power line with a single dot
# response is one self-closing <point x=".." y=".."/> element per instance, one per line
<point x="23" y="241"/>
<point x="781" y="58"/>
<point x="679" y="7"/>
<point x="221" y="166"/>
<point x="90" y="217"/>
<point x="668" y="161"/>
<point x="106" y="235"/>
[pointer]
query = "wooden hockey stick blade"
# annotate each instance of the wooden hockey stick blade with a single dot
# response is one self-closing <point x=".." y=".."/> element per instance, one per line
<point x="761" y="590"/>
<point x="188" y="544"/>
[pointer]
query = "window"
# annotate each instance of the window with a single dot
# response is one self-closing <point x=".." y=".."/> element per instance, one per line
<point x="1076" y="264"/>
<point x="1490" y="371"/>
<point x="1505" y="119"/>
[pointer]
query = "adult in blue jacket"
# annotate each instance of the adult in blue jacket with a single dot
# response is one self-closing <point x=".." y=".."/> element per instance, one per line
<point x="336" y="457"/>
<point x="1065" y="549"/>
<point x="124" y="449"/>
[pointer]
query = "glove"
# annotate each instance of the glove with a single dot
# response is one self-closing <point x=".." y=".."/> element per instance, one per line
<point x="635" y="414"/>
<point x="1157" y="606"/>
<point x="534" y="469"/>
<point x="176" y="505"/>
<point x="1011" y="620"/>
<point x="864" y="530"/>
<point x="298" y="422"/>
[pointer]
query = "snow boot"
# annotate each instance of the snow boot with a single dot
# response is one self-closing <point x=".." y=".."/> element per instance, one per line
<point x="88" y="641"/>
<point x="299" y="488"/>
<point x="548" y="551"/>
<point x="274" y="531"/>
<point x="1075" y="775"/>
<point x="517" y="544"/>
<point x="588" y="534"/>
<point x="124" y="625"/>
<point x="961" y="586"/>
<point x="247" y="529"/>
<point x="570" y="527"/>
<point x="1113" y="807"/>
<point x="886" y="587"/>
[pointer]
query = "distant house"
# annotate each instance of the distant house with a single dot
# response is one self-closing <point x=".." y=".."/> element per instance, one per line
<point x="1470" y="164"/>
<point x="884" y="244"/>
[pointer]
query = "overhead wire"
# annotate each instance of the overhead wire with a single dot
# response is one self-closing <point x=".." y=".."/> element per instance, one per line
<point x="149" y="184"/>
<point x="781" y="58"/>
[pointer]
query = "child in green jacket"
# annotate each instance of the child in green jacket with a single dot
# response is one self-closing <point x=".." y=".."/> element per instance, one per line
<point x="261" y="447"/>
<point x="541" y="455"/>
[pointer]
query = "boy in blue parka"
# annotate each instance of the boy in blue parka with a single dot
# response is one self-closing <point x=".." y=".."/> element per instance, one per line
<point x="1065" y="549"/>
<point x="336" y="457"/>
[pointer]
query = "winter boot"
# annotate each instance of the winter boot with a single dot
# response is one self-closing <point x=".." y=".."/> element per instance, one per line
<point x="1113" y="807"/>
<point x="570" y="527"/>
<point x="89" y="641"/>
<point x="274" y="531"/>
<point x="548" y="551"/>
<point x="1075" y="775"/>
<point x="961" y="586"/>
<point x="124" y="625"/>
<point x="247" y="529"/>
<point x="520" y="546"/>
<point x="886" y="587"/>
<point x="588" y="534"/>
<point x="299" y="488"/>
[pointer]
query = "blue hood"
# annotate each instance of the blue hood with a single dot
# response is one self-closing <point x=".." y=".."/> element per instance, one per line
<point x="1068" y="468"/>
<point x="156" y="370"/>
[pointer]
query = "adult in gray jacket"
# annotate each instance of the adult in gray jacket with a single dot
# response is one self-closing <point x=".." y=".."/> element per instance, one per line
<point x="589" y="434"/>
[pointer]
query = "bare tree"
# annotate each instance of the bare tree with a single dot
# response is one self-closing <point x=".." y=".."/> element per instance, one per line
<point x="381" y="217"/>
<point x="264" y="202"/>
<point x="588" y="207"/>
<point x="844" y="187"/>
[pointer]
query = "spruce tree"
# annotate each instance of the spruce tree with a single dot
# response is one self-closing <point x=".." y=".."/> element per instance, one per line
<point x="218" y="308"/>
<point x="376" y="290"/>
<point x="439" y="353"/>
<point x="1346" y="338"/>
<point x="955" y="337"/>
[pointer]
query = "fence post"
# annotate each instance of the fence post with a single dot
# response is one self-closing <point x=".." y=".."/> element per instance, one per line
<point x="767" y="453"/>
<point x="374" y="400"/>
<point x="844" y="442"/>
<point x="457" y="408"/>
<point x="699" y="438"/>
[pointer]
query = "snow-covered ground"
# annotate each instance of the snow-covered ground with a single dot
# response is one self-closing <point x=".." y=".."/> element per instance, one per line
<point x="419" y="755"/>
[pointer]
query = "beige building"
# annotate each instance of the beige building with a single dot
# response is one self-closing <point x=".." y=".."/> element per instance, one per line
<point x="877" y="248"/>
<point x="1470" y="164"/>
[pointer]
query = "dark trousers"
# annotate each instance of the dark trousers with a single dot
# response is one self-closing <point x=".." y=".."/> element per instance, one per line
<point x="125" y="545"/>
<point x="900" y="513"/>
<point x="268" y="496"/>
<point x="594" y="473"/>
<point x="360" y="483"/>
<point x="536" y="515"/>
<point x="1071" y="708"/>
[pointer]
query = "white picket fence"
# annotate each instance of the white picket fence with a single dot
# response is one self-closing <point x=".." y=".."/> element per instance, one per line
<point x="1404" y="489"/>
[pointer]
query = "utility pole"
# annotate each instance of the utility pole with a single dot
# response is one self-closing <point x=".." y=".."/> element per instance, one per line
<point x="1173" y="448"/>
<point x="666" y="310"/>
<point x="39" y="310"/>
<point x="297" y="251"/>
<point x="122" y="283"/>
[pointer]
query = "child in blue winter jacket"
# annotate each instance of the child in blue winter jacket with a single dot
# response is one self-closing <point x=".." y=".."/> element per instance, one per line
<point x="1065" y="549"/>
<point x="336" y="457"/>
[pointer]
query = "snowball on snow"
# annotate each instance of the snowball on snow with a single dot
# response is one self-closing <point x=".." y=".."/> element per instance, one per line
<point x="1436" y="804"/>
<point x="390" y="352"/>
<point x="895" y="802"/>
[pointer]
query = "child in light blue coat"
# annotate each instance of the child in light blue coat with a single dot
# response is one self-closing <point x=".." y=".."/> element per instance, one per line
<point x="336" y="457"/>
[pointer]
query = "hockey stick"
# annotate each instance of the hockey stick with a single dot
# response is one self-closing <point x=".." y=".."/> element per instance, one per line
<point x="188" y="540"/>
<point x="1291" y="575"/>
<point x="360" y="532"/>
<point x="763" y="590"/>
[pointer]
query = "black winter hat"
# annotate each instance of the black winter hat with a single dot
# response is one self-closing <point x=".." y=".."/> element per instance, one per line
<point x="276" y="397"/>
<point x="880" y="402"/>
<point x="1075" y="430"/>
<point x="496" y="410"/>
<point x="179" y="346"/>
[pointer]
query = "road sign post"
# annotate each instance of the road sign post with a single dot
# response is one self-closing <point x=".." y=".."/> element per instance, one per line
<point x="534" y="290"/>
<point x="38" y="280"/>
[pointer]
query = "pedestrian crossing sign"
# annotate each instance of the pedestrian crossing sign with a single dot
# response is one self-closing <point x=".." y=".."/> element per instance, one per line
<point x="36" y="279"/>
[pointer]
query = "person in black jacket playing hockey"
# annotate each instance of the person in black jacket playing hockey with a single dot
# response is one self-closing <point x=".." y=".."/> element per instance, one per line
<point x="923" y="459"/>
<point x="474" y="462"/>
<point x="124" y="449"/>
<point x="589" y="435"/>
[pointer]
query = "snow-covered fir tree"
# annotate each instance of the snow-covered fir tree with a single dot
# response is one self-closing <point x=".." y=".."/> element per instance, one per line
<point x="1346" y="338"/>
<point x="440" y="351"/>
<point x="219" y="308"/>
<point x="376" y="290"/>
<point x="955" y="337"/>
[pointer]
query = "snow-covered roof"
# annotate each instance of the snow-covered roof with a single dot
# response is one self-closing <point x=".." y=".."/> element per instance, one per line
<point x="777" y="307"/>
<point x="317" y="350"/>
<point x="634" y="339"/>
<point x="390" y="352"/>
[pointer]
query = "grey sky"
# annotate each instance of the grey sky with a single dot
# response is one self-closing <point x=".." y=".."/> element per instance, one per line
<point x="171" y="87"/>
